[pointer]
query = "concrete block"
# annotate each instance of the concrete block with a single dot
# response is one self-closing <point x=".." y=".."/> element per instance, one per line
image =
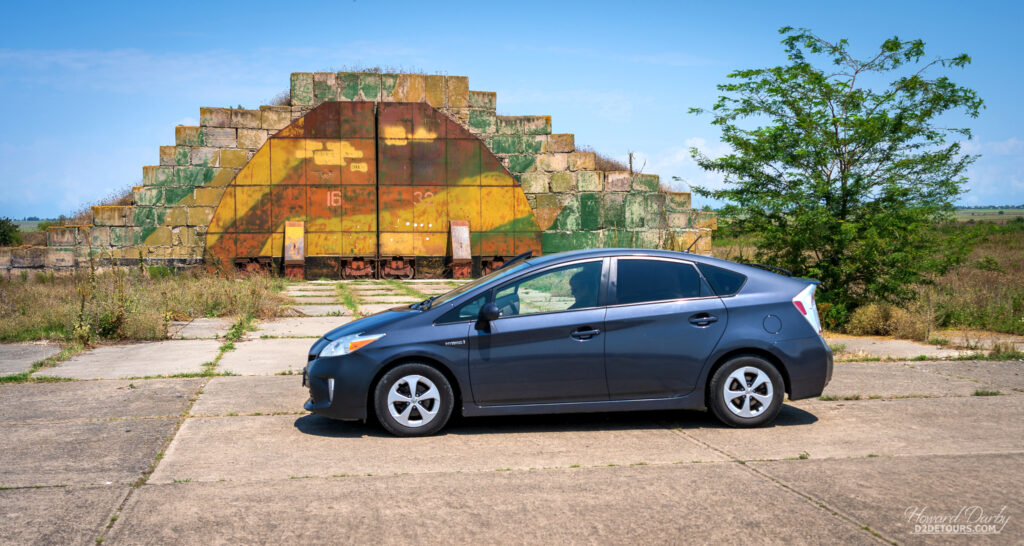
<point x="677" y="201"/>
<point x="174" y="155"/>
<point x="561" y="143"/>
<point x="388" y="83"/>
<point x="553" y="162"/>
<point x="110" y="215"/>
<point x="654" y="205"/>
<point x="461" y="116"/>
<point x="521" y="163"/>
<point x="703" y="219"/>
<point x="157" y="176"/>
<point x="252" y="139"/>
<point x="99" y="236"/>
<point x="124" y="236"/>
<point x="200" y="216"/>
<point x="185" y="135"/>
<point x="534" y="144"/>
<point x="563" y="182"/>
<point x="617" y="181"/>
<point x="590" y="180"/>
<point x="249" y="119"/>
<point x="161" y="236"/>
<point x="275" y="118"/>
<point x="205" y="156"/>
<point x="651" y="238"/>
<point x="208" y="196"/>
<point x="554" y="241"/>
<point x="184" y="236"/>
<point x="678" y="219"/>
<point x="214" y="117"/>
<point x="510" y="125"/>
<point x="221" y="137"/>
<point x="410" y="88"/>
<point x="457" y="92"/>
<point x="482" y="121"/>
<point x="5" y="257"/>
<point x="568" y="218"/>
<point x="148" y="217"/>
<point x="62" y="236"/>
<point x="581" y="161"/>
<point x="302" y="89"/>
<point x="299" y="111"/>
<point x="537" y="125"/>
<point x="192" y="176"/>
<point x="635" y="210"/>
<point x="547" y="200"/>
<point x="176" y="216"/>
<point x="590" y="211"/>
<point x="613" y="211"/>
<point x="34" y="256"/>
<point x="369" y="86"/>
<point x="535" y="182"/>
<point x="483" y="99"/>
<point x="435" y="88"/>
<point x="234" y="158"/>
<point x="348" y="86"/>
<point x="505" y="144"/>
<point x="646" y="182"/>
<point x="60" y="257"/>
<point x="325" y="87"/>
<point x="147" y="195"/>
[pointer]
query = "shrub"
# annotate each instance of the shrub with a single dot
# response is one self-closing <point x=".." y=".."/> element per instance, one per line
<point x="883" y="319"/>
<point x="9" y="233"/>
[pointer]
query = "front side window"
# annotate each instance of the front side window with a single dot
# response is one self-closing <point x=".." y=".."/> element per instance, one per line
<point x="562" y="289"/>
<point x="641" y="281"/>
<point x="467" y="311"/>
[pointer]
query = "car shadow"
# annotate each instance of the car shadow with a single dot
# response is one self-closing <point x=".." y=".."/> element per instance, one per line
<point x="573" y="422"/>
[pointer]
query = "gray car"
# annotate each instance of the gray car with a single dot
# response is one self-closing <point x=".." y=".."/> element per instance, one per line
<point x="583" y="331"/>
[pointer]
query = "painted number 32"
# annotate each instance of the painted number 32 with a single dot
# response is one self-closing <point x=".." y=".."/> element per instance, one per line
<point x="334" y="197"/>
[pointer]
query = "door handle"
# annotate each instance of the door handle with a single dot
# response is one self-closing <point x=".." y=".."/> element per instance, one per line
<point x="702" y="319"/>
<point x="584" y="333"/>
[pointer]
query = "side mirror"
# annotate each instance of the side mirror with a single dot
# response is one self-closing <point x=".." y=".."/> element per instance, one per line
<point x="489" y="312"/>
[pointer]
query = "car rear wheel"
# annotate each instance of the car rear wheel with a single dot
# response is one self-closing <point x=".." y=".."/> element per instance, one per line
<point x="746" y="392"/>
<point x="413" y="400"/>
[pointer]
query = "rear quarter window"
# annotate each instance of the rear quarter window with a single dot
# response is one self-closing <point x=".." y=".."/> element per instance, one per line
<point x="722" y="281"/>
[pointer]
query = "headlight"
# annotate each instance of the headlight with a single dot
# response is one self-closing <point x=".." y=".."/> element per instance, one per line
<point x="348" y="344"/>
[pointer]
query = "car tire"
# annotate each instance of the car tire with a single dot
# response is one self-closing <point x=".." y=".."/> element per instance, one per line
<point x="746" y="392"/>
<point x="413" y="400"/>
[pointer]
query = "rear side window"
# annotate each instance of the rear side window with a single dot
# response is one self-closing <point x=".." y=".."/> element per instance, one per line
<point x="722" y="281"/>
<point x="655" y="280"/>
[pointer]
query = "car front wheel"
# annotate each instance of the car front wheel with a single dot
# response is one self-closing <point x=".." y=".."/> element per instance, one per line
<point x="413" y="400"/>
<point x="746" y="392"/>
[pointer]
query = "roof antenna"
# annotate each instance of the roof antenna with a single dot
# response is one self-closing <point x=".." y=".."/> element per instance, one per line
<point x="693" y="243"/>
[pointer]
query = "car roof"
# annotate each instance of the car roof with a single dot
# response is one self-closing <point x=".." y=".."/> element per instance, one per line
<point x="648" y="252"/>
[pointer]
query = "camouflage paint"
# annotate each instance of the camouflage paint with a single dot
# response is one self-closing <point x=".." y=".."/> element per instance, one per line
<point x="372" y="180"/>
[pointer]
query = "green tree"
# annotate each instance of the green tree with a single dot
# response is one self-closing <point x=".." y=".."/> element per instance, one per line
<point x="842" y="172"/>
<point x="9" y="233"/>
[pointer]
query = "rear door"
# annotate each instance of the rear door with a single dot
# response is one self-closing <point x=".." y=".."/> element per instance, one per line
<point x="662" y="324"/>
<point x="548" y="344"/>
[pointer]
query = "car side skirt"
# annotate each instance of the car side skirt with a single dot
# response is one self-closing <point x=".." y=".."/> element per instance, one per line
<point x="693" y="400"/>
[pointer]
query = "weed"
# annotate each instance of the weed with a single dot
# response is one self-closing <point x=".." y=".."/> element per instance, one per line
<point x="349" y="300"/>
<point x="574" y="466"/>
<point x="838" y="347"/>
<point x="940" y="341"/>
<point x="872" y="455"/>
<point x="804" y="456"/>
<point x="1005" y="351"/>
<point x="986" y="392"/>
<point x="406" y="289"/>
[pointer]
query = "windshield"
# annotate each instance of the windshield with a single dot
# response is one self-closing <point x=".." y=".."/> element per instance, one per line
<point x="501" y="273"/>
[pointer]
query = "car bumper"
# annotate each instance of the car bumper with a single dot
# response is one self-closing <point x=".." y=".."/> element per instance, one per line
<point x="809" y="366"/>
<point x="339" y="386"/>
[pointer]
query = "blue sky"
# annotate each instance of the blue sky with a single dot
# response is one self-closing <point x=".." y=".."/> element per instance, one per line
<point x="88" y="93"/>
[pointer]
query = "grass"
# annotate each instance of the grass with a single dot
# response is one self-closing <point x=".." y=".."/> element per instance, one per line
<point x="349" y="299"/>
<point x="127" y="303"/>
<point x="406" y="289"/>
<point x="986" y="392"/>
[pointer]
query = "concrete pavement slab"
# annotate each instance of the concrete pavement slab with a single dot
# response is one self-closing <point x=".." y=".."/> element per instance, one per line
<point x="892" y="379"/>
<point x="394" y="300"/>
<point x="885" y="347"/>
<point x="914" y="426"/>
<point x="884" y="492"/>
<point x="314" y="310"/>
<point x="83" y="453"/>
<point x="19" y="357"/>
<point x="57" y="515"/>
<point x="80" y="400"/>
<point x="200" y="328"/>
<point x="374" y="308"/>
<point x="267" y="356"/>
<point x="276" y="447"/>
<point x="305" y="300"/>
<point x="1001" y="375"/>
<point x="298" y="326"/>
<point x="251" y="394"/>
<point x="715" y="503"/>
<point x="137" y="360"/>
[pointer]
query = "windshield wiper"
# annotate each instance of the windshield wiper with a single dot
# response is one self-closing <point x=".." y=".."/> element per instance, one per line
<point x="425" y="304"/>
<point x="523" y="256"/>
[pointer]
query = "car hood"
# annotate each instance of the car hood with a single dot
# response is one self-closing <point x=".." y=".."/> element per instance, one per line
<point x="372" y="323"/>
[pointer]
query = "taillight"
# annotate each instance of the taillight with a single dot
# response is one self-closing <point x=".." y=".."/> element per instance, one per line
<point x="804" y="302"/>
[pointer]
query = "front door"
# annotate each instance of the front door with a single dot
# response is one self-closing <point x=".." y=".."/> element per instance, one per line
<point x="548" y="344"/>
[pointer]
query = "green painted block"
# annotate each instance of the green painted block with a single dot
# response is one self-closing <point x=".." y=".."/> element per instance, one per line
<point x="553" y="241"/>
<point x="302" y="89"/>
<point x="590" y="181"/>
<point x="650" y="238"/>
<point x="193" y="176"/>
<point x="174" y="194"/>
<point x="634" y="210"/>
<point x="349" y="84"/>
<point x="562" y="182"/>
<point x="547" y="200"/>
<point x="569" y="217"/>
<point x="521" y="163"/>
<point x="590" y="211"/>
<point x="124" y="236"/>
<point x="503" y="144"/>
<point x="181" y="155"/>
<point x="677" y="201"/>
<point x="618" y="238"/>
<point x="510" y="125"/>
<point x="654" y="206"/>
<point x="149" y="216"/>
<point x="482" y="99"/>
<point x="646" y="182"/>
<point x="613" y="210"/>
<point x="323" y="91"/>
<point x="387" y="86"/>
<point x="482" y="121"/>
<point x="148" y="196"/>
<point x="369" y="86"/>
<point x="536" y="125"/>
<point x="532" y="144"/>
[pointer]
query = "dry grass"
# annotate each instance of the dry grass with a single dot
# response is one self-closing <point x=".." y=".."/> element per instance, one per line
<point x="603" y="162"/>
<point x="83" y="216"/>
<point x="126" y="304"/>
